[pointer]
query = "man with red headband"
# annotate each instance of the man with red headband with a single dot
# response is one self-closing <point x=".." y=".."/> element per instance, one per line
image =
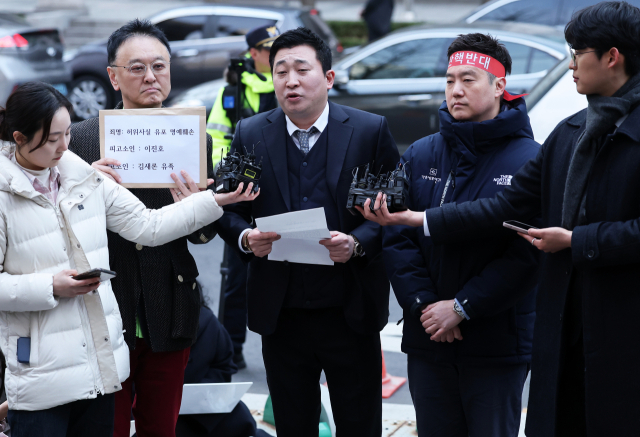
<point x="468" y="307"/>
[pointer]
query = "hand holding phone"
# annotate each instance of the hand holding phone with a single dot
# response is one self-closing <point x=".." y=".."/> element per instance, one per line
<point x="65" y="286"/>
<point x="103" y="274"/>
<point x="518" y="226"/>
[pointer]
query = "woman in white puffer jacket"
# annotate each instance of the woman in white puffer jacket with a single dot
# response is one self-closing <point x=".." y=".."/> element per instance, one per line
<point x="54" y="214"/>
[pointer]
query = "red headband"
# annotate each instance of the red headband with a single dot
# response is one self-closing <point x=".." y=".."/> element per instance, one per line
<point x="483" y="62"/>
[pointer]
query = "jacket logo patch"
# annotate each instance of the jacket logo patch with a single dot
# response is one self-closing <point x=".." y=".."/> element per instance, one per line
<point x="433" y="172"/>
<point x="503" y="179"/>
<point x="80" y="207"/>
<point x="431" y="178"/>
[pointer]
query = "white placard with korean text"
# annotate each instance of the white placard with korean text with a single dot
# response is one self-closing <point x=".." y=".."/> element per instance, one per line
<point x="153" y="143"/>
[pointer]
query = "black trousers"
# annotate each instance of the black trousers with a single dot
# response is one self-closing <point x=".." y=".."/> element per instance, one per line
<point x="89" y="417"/>
<point x="235" y="300"/>
<point x="307" y="342"/>
<point x="462" y="400"/>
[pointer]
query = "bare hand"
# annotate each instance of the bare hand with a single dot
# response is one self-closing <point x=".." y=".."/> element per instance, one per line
<point x="340" y="246"/>
<point x="448" y="336"/>
<point x="65" y="286"/>
<point x="103" y="166"/>
<point x="4" y="410"/>
<point x="237" y="196"/>
<point x="183" y="191"/>
<point x="261" y="242"/>
<point x="438" y="318"/>
<point x="549" y="239"/>
<point x="383" y="217"/>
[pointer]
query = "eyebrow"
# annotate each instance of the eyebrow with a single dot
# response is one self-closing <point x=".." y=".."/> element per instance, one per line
<point x="295" y="61"/>
<point x="133" y="61"/>
<point x="465" y="72"/>
<point x="58" y="133"/>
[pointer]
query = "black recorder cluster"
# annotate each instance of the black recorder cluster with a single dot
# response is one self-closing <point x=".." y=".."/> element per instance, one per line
<point x="237" y="168"/>
<point x="394" y="184"/>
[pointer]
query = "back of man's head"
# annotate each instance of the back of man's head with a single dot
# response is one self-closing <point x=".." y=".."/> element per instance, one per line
<point x="607" y="25"/>
<point x="485" y="44"/>
<point x="133" y="28"/>
<point x="302" y="36"/>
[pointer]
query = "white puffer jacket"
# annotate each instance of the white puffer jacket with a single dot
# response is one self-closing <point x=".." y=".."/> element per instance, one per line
<point x="77" y="346"/>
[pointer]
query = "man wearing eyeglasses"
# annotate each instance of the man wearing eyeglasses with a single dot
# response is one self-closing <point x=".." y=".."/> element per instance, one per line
<point x="586" y="185"/>
<point x="155" y="287"/>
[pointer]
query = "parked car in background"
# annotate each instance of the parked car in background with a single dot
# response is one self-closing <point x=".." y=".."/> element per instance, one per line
<point x="401" y="76"/>
<point x="552" y="100"/>
<point x="546" y="12"/>
<point x="29" y="54"/>
<point x="203" y="39"/>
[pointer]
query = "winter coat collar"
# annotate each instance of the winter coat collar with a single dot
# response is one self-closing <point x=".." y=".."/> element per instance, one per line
<point x="73" y="171"/>
<point x="468" y="139"/>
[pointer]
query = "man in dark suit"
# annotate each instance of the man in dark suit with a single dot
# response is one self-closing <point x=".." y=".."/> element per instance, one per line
<point x="313" y="317"/>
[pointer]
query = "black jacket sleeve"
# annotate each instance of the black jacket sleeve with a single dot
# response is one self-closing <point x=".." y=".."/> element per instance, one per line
<point x="519" y="201"/>
<point x="237" y="216"/>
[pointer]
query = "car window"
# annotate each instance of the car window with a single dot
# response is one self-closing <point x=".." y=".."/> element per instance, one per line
<point x="541" y="61"/>
<point x="410" y="59"/>
<point x="184" y="28"/>
<point x="232" y="25"/>
<point x="525" y="59"/>
<point x="538" y="12"/>
<point x="520" y="57"/>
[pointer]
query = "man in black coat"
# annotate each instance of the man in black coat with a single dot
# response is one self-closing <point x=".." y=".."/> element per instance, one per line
<point x="155" y="286"/>
<point x="315" y="317"/>
<point x="585" y="183"/>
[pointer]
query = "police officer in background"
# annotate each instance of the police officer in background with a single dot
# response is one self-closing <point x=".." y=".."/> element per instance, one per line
<point x="258" y="93"/>
<point x="258" y="97"/>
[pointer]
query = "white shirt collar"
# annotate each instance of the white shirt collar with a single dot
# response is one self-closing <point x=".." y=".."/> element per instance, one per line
<point x="320" y="123"/>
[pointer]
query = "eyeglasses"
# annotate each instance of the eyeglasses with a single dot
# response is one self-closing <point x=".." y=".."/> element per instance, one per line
<point x="575" y="54"/>
<point x="140" y="69"/>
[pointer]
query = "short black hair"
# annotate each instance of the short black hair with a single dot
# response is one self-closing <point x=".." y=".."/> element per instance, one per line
<point x="604" y="26"/>
<point x="133" y="28"/>
<point x="485" y="44"/>
<point x="299" y="37"/>
<point x="29" y="108"/>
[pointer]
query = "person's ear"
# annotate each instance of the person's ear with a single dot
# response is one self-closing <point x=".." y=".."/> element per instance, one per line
<point x="19" y="138"/>
<point x="614" y="57"/>
<point x="330" y="76"/>
<point x="500" y="83"/>
<point x="113" y="79"/>
<point x="253" y="52"/>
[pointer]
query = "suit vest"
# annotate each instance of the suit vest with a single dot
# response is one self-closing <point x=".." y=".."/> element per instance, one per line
<point x="310" y="285"/>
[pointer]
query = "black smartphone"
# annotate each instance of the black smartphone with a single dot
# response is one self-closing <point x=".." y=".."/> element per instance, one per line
<point x="24" y="349"/>
<point x="518" y="226"/>
<point x="103" y="274"/>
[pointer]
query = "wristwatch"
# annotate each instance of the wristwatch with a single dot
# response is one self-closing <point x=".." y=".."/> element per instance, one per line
<point x="358" y="250"/>
<point x="458" y="310"/>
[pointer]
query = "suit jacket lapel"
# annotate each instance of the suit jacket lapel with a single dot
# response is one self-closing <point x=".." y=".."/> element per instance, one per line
<point x="274" y="136"/>
<point x="338" y="138"/>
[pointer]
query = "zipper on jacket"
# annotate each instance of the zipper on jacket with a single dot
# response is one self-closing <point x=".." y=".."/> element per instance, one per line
<point x="451" y="181"/>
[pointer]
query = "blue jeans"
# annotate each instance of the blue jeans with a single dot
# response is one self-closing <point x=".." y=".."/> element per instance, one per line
<point x="462" y="400"/>
<point x="85" y="418"/>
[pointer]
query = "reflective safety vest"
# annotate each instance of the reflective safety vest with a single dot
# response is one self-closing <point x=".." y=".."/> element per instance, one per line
<point x="258" y="97"/>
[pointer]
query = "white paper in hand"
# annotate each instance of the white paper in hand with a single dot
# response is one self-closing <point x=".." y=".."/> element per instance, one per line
<point x="300" y="232"/>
